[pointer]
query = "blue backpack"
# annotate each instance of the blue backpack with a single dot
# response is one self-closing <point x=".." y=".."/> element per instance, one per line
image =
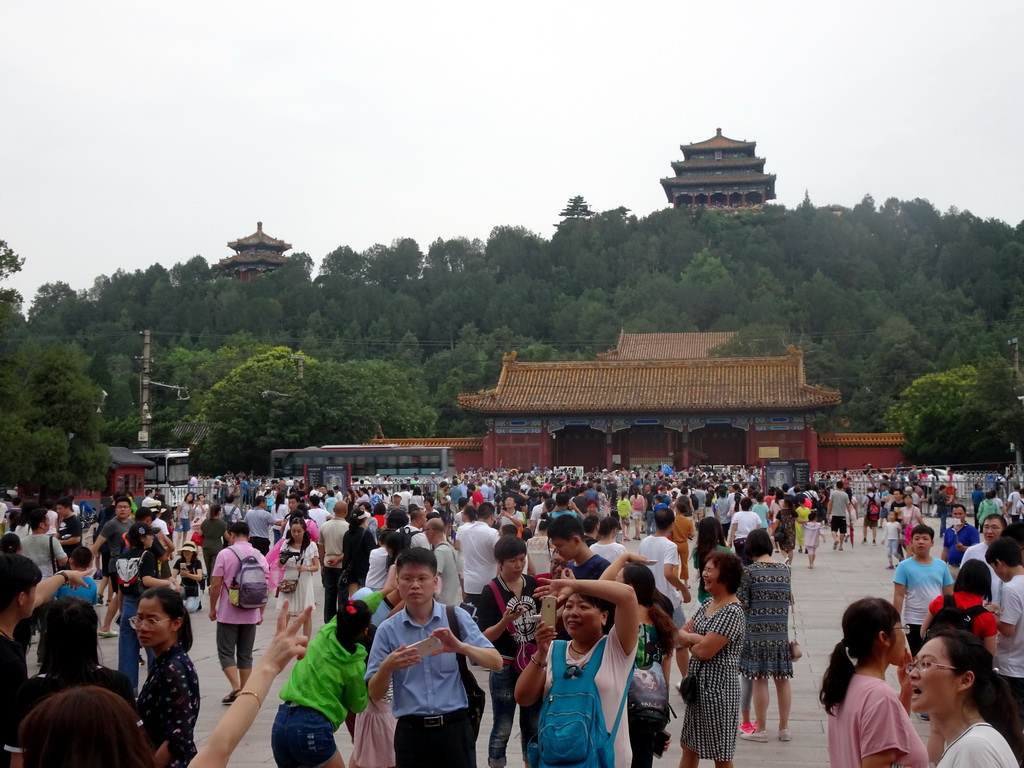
<point x="572" y="731"/>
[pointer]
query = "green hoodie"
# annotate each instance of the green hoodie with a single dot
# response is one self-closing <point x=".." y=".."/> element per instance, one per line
<point x="328" y="678"/>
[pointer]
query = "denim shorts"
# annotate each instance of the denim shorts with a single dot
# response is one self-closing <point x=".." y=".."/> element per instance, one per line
<point x="301" y="737"/>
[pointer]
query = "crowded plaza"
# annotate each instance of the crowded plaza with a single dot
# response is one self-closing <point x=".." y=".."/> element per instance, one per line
<point x="503" y="618"/>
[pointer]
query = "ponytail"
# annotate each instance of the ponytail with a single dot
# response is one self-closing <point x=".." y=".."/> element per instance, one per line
<point x="837" y="679"/>
<point x="863" y="621"/>
<point x="352" y="621"/>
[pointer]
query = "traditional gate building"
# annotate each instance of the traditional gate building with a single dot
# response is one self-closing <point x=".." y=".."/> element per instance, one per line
<point x="654" y="399"/>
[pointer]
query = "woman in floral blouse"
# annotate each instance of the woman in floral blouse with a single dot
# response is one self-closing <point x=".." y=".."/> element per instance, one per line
<point x="169" y="702"/>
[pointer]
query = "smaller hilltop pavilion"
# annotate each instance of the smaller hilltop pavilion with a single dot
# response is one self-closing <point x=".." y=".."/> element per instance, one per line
<point x="257" y="254"/>
<point x="720" y="173"/>
<point x="657" y="398"/>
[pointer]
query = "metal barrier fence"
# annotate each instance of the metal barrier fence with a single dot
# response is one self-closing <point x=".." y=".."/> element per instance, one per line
<point x="964" y="482"/>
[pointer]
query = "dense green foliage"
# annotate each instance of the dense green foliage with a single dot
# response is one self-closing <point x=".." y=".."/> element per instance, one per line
<point x="876" y="296"/>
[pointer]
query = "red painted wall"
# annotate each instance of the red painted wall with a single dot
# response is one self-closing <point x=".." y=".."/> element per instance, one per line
<point x="831" y="459"/>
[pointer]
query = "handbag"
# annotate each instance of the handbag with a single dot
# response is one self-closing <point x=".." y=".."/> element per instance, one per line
<point x="690" y="688"/>
<point x="795" y="651"/>
<point x="474" y="693"/>
<point x="197" y="538"/>
<point x="287" y="586"/>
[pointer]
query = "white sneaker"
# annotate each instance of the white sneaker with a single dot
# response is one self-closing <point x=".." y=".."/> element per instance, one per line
<point x="785" y="735"/>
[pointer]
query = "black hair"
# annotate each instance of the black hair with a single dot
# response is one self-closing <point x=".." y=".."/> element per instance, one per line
<point x="81" y="557"/>
<point x="975" y="579"/>
<point x="69" y="653"/>
<point x="663" y="518"/>
<point x="470" y="512"/>
<point x="10" y="543"/>
<point x="17" y="574"/>
<point x="709" y="536"/>
<point x="174" y="607"/>
<point x="922" y="530"/>
<point x="759" y="543"/>
<point x="607" y="526"/>
<point x="396" y="519"/>
<point x="353" y="621"/>
<point x="485" y="509"/>
<point x="1005" y="549"/>
<point x="305" y="532"/>
<point x="990" y="692"/>
<point x="862" y="623"/>
<point x="1015" y="531"/>
<point x="508" y="547"/>
<point x="730" y="569"/>
<point x="242" y="529"/>
<point x="565" y="527"/>
<point x="36" y="517"/>
<point x="640" y="578"/>
<point x="416" y="556"/>
<point x="590" y="524"/>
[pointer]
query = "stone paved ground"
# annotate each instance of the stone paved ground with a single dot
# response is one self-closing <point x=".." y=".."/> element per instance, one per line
<point x="821" y="596"/>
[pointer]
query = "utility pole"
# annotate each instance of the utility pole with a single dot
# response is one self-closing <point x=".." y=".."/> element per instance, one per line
<point x="145" y="417"/>
<point x="1016" y="383"/>
<point x="300" y="363"/>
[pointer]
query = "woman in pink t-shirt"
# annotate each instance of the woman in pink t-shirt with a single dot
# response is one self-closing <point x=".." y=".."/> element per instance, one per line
<point x="869" y="725"/>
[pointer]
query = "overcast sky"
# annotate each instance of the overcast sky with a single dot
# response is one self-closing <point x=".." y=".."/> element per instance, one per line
<point x="134" y="133"/>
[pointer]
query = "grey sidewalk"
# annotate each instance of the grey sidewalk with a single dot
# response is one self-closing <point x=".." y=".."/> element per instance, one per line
<point x="821" y="596"/>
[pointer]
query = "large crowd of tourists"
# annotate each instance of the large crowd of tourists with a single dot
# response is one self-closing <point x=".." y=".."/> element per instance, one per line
<point x="393" y="600"/>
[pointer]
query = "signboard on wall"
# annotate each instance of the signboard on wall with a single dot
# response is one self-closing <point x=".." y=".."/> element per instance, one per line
<point x="779" y="473"/>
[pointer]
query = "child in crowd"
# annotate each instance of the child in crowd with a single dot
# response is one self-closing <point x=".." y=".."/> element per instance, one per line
<point x="892" y="539"/>
<point x="812" y="532"/>
<point x="803" y="514"/>
<point x="81" y="561"/>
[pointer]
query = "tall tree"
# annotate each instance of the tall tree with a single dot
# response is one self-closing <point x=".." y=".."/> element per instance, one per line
<point x="576" y="208"/>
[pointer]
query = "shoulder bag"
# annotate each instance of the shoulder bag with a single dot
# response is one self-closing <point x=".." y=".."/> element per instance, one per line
<point x="474" y="693"/>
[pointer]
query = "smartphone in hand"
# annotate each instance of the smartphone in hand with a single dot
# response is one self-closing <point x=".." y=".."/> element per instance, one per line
<point x="427" y="647"/>
<point x="548" y="608"/>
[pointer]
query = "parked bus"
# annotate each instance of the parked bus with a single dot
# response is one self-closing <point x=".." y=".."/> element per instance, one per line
<point x="353" y="465"/>
<point x="170" y="467"/>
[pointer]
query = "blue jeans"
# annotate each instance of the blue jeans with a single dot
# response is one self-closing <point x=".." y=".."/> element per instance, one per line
<point x="128" y="642"/>
<point x="301" y="736"/>
<point x="650" y="523"/>
<point x="943" y="513"/>
<point x="503" y="711"/>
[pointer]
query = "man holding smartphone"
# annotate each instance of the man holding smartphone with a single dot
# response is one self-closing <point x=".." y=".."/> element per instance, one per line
<point x="430" y="701"/>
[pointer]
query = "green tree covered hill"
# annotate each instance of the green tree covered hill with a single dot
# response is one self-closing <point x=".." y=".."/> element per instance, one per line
<point x="876" y="296"/>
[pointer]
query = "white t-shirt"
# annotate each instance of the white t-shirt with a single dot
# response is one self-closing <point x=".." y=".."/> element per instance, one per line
<point x="377" y="574"/>
<point x="893" y="530"/>
<point x="536" y="512"/>
<point x="840" y="501"/>
<point x="1009" y="659"/>
<point x="663" y="551"/>
<point x="981" y="744"/>
<point x="1015" y="503"/>
<point x="611" y="685"/>
<point x="608" y="551"/>
<point x="977" y="552"/>
<point x="745" y="522"/>
<point x="476" y="542"/>
<point x="318" y="516"/>
<point x="160" y="525"/>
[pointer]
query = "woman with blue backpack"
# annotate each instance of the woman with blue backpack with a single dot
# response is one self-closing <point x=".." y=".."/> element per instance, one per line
<point x="583" y="681"/>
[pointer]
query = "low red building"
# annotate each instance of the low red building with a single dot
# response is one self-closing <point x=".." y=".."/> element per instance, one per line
<point x="677" y="407"/>
<point x="852" y="450"/>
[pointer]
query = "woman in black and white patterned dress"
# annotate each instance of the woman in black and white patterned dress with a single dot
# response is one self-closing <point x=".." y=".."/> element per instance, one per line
<point x="715" y="638"/>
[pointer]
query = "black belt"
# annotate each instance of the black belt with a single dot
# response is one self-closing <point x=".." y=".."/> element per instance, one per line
<point x="435" y="721"/>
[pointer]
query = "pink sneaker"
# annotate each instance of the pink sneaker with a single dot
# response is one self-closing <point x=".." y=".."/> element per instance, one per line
<point x="747" y="728"/>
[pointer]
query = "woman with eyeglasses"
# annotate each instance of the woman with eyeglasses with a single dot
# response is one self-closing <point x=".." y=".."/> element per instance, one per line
<point x="868" y="723"/>
<point x="169" y="702"/>
<point x="971" y="707"/>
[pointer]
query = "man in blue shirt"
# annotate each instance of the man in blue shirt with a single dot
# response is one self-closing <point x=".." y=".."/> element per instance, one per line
<point x="430" y="701"/>
<point x="957" y="538"/>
